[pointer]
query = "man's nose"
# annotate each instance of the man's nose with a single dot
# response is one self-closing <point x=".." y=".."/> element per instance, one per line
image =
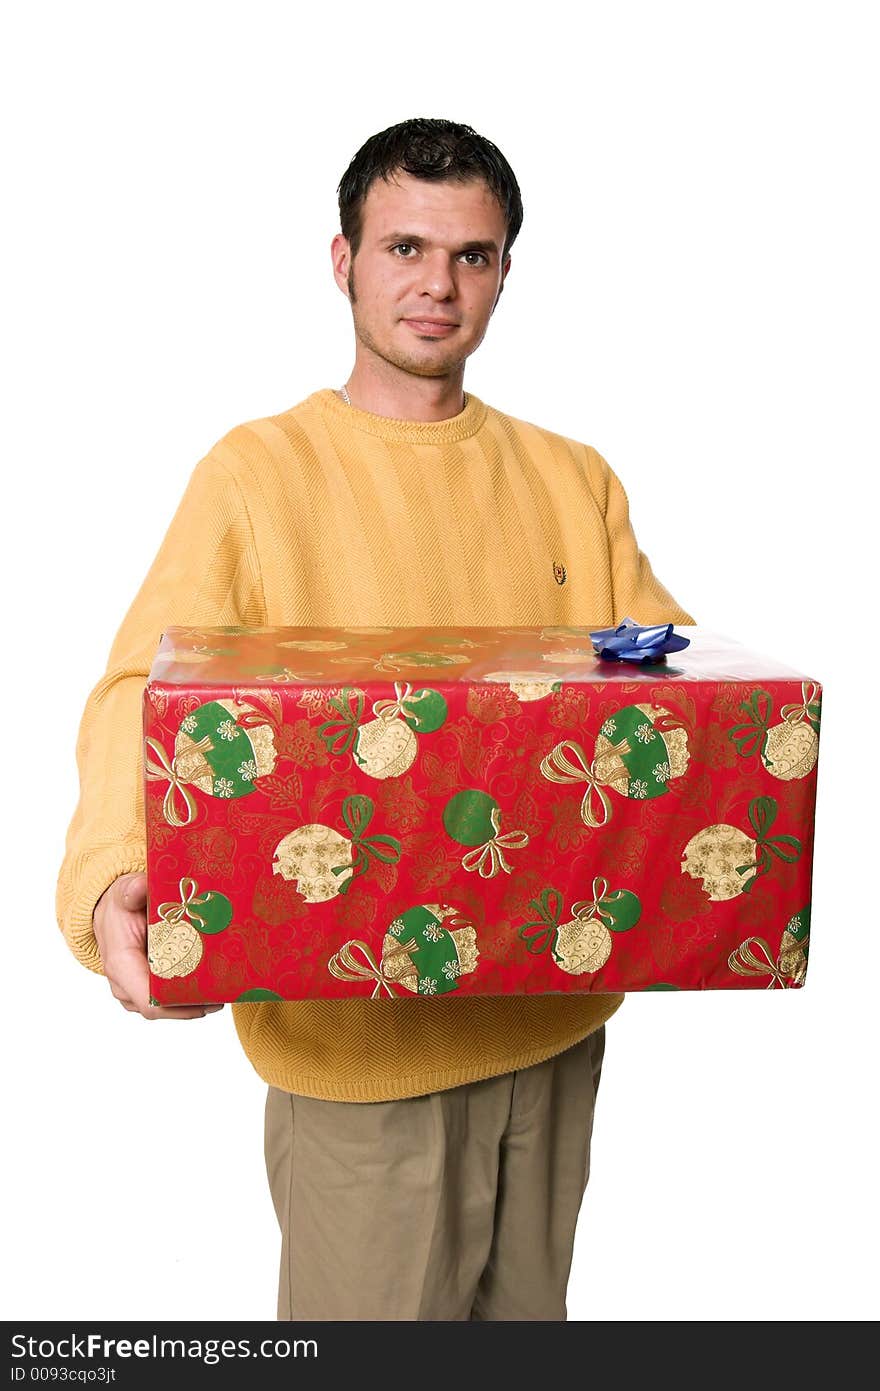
<point x="437" y="276"/>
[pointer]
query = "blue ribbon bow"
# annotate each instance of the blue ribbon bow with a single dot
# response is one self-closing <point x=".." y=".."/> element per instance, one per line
<point x="630" y="642"/>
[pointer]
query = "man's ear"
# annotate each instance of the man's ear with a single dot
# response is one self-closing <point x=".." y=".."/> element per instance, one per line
<point x="504" y="269"/>
<point x="340" y="255"/>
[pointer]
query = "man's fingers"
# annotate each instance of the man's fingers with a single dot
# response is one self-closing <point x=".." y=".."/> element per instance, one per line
<point x="160" y="1011"/>
<point x="132" y="992"/>
<point x="179" y="1011"/>
<point x="134" y="892"/>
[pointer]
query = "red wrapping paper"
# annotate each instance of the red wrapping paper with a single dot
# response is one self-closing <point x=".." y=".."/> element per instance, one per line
<point x="349" y="812"/>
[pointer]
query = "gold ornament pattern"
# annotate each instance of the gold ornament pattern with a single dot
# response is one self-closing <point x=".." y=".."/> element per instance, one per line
<point x="795" y="946"/>
<point x="308" y="856"/>
<point x="724" y="857"/>
<point x="526" y="685"/>
<point x="174" y="943"/>
<point x="728" y="861"/>
<point x="788" y="750"/>
<point x="385" y="747"/>
<point x="323" y="862"/>
<point x="582" y="944"/>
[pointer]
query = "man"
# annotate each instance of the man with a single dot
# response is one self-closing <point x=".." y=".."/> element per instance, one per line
<point x="427" y="1158"/>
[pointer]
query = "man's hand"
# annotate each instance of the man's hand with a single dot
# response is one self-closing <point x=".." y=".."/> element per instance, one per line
<point x="120" y="922"/>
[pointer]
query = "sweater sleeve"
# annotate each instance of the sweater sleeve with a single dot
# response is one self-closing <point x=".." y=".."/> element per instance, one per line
<point x="637" y="592"/>
<point x="206" y="573"/>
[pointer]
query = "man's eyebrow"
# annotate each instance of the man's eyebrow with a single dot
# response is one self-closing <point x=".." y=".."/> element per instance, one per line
<point x="411" y="239"/>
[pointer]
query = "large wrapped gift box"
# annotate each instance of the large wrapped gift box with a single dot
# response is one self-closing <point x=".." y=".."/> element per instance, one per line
<point x="390" y="811"/>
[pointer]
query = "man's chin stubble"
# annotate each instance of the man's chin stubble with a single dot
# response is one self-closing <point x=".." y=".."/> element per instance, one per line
<point x="416" y="366"/>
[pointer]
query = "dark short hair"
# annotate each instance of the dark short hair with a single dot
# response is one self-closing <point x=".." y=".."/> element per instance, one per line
<point x="427" y="149"/>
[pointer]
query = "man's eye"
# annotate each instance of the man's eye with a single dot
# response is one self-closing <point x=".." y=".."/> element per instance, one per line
<point x="479" y="255"/>
<point x="405" y="246"/>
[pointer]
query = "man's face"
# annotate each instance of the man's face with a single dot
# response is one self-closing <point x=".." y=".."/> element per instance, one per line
<point x="427" y="274"/>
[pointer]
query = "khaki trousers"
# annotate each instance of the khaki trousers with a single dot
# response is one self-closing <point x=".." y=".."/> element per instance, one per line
<point x="460" y="1204"/>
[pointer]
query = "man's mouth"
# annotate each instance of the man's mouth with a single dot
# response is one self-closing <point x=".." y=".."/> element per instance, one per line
<point x="434" y="328"/>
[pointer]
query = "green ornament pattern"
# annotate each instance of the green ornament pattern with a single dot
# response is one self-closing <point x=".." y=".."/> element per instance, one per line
<point x="221" y="748"/>
<point x="424" y="954"/>
<point x="639" y="751"/>
<point x="229" y="752"/>
<point x="472" y="817"/>
<point x="467" y="817"/>
<point x="426" y="950"/>
<point x="651" y="752"/>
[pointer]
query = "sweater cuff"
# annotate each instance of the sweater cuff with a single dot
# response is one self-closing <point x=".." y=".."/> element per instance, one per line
<point x="96" y="872"/>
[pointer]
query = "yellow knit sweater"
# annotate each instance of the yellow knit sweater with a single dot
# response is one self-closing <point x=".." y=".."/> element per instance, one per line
<point x="326" y="515"/>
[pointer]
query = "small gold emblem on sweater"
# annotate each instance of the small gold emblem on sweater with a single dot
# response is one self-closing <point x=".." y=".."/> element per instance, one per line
<point x="558" y="572"/>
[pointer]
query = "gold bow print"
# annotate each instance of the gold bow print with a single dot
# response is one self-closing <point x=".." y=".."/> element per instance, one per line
<point x="796" y="712"/>
<point x="345" y="966"/>
<point x="163" y="771"/>
<point x="745" y="963"/>
<point x="173" y="913"/>
<point x="283" y="674"/>
<point x="489" y="858"/>
<point x="558" y="767"/>
<point x="584" y="908"/>
<point x="390" y="709"/>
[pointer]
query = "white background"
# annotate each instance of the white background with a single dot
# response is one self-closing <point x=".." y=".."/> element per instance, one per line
<point x="694" y="292"/>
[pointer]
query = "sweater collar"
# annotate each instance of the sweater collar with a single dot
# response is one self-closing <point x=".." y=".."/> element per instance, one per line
<point x="456" y="427"/>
